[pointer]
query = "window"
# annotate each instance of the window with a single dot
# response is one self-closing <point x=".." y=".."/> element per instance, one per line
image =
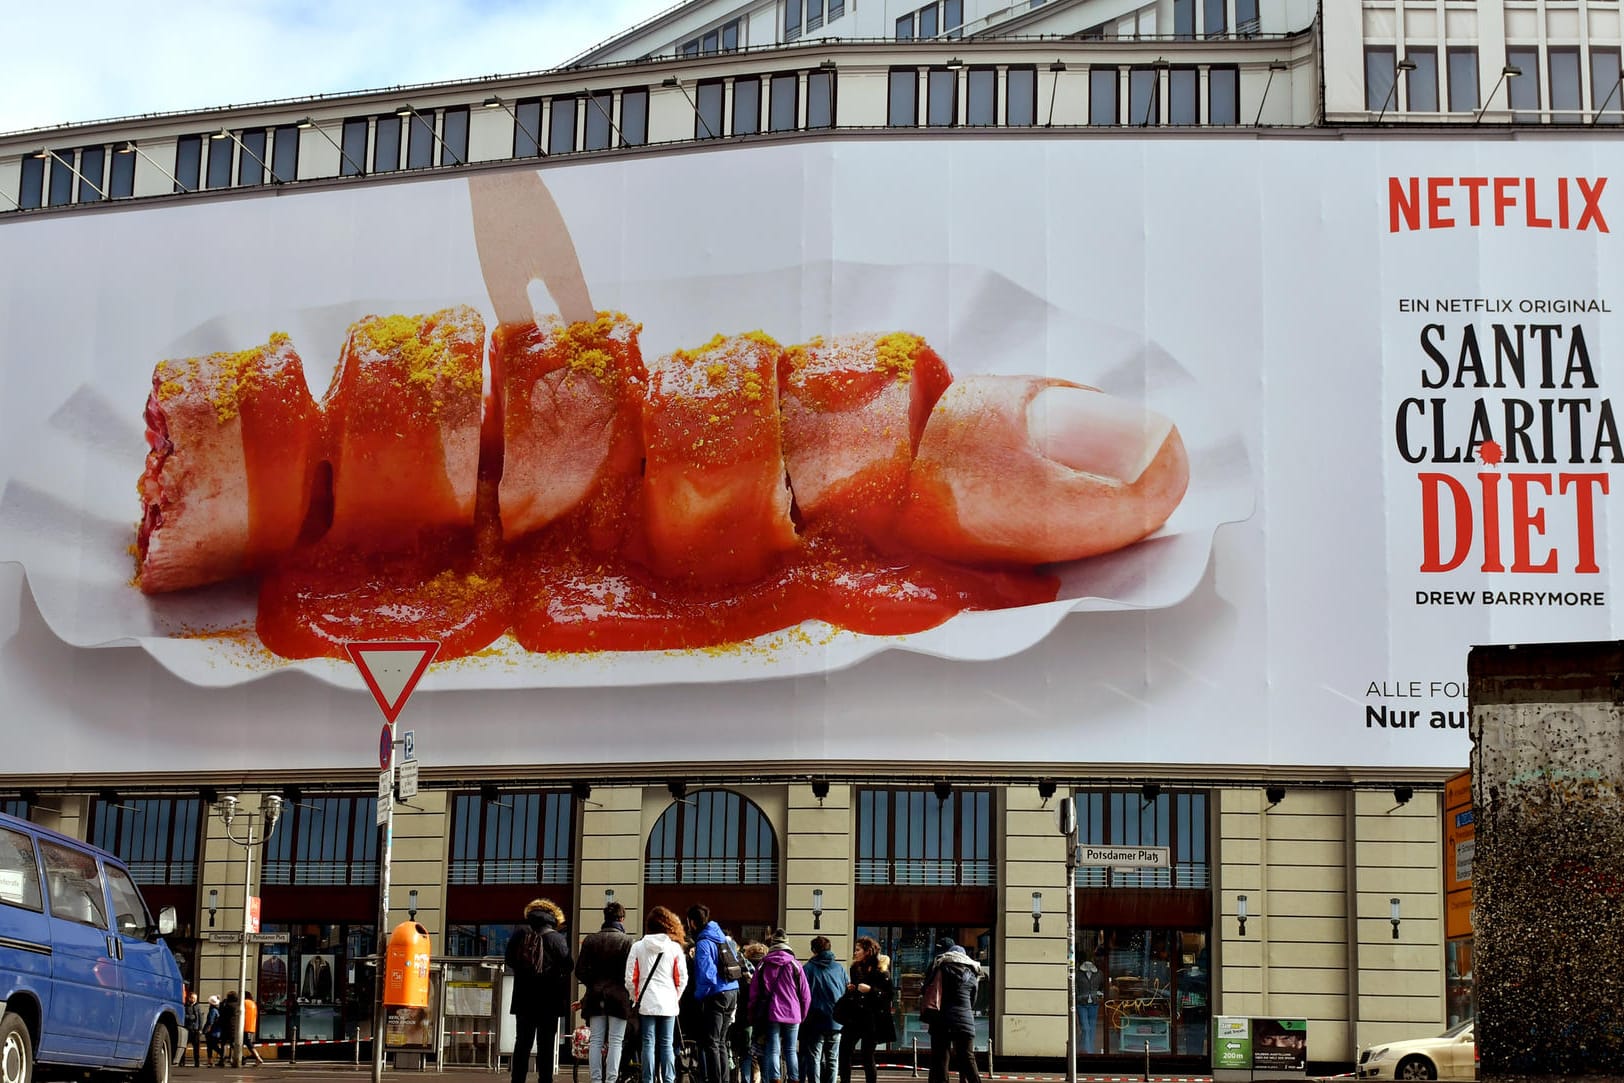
<point x="782" y="105"/>
<point x="690" y="48"/>
<point x="1143" y="107"/>
<point x="326" y="842"/>
<point x="121" y="182"/>
<point x="746" y="105"/>
<point x="927" y="22"/>
<point x="62" y="178"/>
<point x="1214" y="18"/>
<point x="1522" y="91"/>
<point x="1155" y="988"/>
<point x="15" y="806"/>
<point x="712" y="837"/>
<point x="420" y="140"/>
<point x="561" y="126"/>
<point x="1463" y="97"/>
<point x="634" y="117"/>
<point x="953" y="18"/>
<point x="814" y="14"/>
<point x="1021" y="96"/>
<point x="93" y="172"/>
<point x="914" y="838"/>
<point x="354" y="142"/>
<point x="1379" y="68"/>
<point x="524" y="838"/>
<point x="902" y="109"/>
<point x="600" y="106"/>
<point x="905" y="28"/>
<point x="285" y="154"/>
<point x="249" y="167"/>
<point x="1246" y="20"/>
<point x="1604" y="86"/>
<point x="981" y="93"/>
<point x="221" y="151"/>
<point x="837" y="8"/>
<point x="708" y="109"/>
<point x="1566" y="93"/>
<point x="74" y="885"/>
<point x="157" y="837"/>
<point x="1102" y="96"/>
<point x="1174" y="819"/>
<point x="386" y="143"/>
<point x="792" y="19"/>
<point x="820" y="99"/>
<point x="188" y="162"/>
<point x="455" y="137"/>
<point x="1183" y="96"/>
<point x="1421" y="86"/>
<point x="130" y="916"/>
<point x="730" y="36"/>
<point x="19" y="874"/>
<point x="1223" y="95"/>
<point x="31" y="185"/>
<point x="942" y="101"/>
<point x="711" y="43"/>
<point x="527" y="128"/>
<point x="1184" y="19"/>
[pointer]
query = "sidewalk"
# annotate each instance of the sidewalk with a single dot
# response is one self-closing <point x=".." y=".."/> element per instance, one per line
<point x="340" y="1072"/>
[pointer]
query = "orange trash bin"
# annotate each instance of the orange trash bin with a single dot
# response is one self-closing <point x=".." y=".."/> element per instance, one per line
<point x="406" y="967"/>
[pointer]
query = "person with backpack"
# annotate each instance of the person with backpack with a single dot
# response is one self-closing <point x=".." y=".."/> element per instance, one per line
<point x="947" y="1008"/>
<point x="606" y="1005"/>
<point x="716" y="990"/>
<point x="820" y="1032"/>
<point x="780" y="998"/>
<point x="866" y="1010"/>
<point x="539" y="957"/>
<point x="656" y="974"/>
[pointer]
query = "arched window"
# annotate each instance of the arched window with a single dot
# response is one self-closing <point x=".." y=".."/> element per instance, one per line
<point x="713" y="837"/>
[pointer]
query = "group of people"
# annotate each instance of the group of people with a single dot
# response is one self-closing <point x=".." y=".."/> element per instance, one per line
<point x="758" y="1014"/>
<point x="214" y="1026"/>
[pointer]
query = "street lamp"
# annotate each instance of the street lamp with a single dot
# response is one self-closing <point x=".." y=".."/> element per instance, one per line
<point x="817" y="908"/>
<point x="1037" y="911"/>
<point x="1394" y="918"/>
<point x="270" y="810"/>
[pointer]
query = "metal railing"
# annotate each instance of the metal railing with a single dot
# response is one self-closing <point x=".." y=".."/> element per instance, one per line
<point x="1194" y="875"/>
<point x="712" y="870"/>
<point x="321" y="873"/>
<point x="924" y="872"/>
<point x="509" y="871"/>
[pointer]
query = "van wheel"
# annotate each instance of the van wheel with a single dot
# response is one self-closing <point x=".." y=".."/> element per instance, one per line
<point x="16" y="1051"/>
<point x="156" y="1069"/>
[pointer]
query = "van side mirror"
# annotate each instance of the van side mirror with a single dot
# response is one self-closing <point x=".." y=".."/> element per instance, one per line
<point x="166" y="921"/>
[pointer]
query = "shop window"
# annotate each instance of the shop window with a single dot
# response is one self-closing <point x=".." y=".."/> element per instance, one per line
<point x="820" y="99"/>
<point x="746" y="105"/>
<point x="1021" y="97"/>
<point x="600" y="108"/>
<point x="1379" y="71"/>
<point x="981" y="97"/>
<point x="31" y="185"/>
<point x="1223" y="95"/>
<point x="285" y="154"/>
<point x="708" y="96"/>
<point x="1176" y="820"/>
<point x="527" y="128"/>
<point x="352" y="160"/>
<point x="157" y="837"/>
<point x="1463" y="92"/>
<point x="1183" y="96"/>
<point x="221" y="153"/>
<point x="1522" y="91"/>
<point x="454" y="136"/>
<point x="561" y="126"/>
<point x="519" y="838"/>
<point x="712" y="837"/>
<point x="325" y="842"/>
<point x="634" y="117"/>
<point x="1566" y="94"/>
<point x="1144" y="85"/>
<point x="315" y="981"/>
<point x="1605" y="90"/>
<point x="942" y="98"/>
<point x="916" y="838"/>
<point x="1460" y="1004"/>
<point x="902" y="108"/>
<point x="1154" y="991"/>
<point x="1102" y="96"/>
<point x="386" y="144"/>
<point x="782" y="103"/>
<point x="911" y="948"/>
<point x="1421" y="85"/>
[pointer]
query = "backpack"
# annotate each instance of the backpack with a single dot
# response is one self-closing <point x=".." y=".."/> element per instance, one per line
<point x="728" y="966"/>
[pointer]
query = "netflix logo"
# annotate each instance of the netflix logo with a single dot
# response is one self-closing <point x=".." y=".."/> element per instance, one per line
<point x="1415" y="203"/>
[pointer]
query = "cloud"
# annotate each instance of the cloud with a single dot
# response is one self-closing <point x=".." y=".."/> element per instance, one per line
<point x="98" y="58"/>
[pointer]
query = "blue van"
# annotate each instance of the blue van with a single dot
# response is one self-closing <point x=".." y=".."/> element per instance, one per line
<point x="85" y="981"/>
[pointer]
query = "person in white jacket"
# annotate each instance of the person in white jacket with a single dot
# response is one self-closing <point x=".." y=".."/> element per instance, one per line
<point x="656" y="973"/>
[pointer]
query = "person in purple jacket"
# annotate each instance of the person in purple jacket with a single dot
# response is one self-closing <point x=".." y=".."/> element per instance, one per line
<point x="780" y="998"/>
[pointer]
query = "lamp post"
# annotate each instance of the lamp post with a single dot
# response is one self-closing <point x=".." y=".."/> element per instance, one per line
<point x="270" y="810"/>
<point x="1067" y="822"/>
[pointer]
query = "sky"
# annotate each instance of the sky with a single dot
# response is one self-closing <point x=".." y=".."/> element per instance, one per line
<point x="96" y="59"/>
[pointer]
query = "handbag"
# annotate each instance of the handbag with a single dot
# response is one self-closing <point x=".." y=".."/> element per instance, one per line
<point x="849" y="1008"/>
<point x="581" y="1042"/>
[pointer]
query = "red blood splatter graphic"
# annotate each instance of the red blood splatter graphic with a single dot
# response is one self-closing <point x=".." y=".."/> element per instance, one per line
<point x="1491" y="453"/>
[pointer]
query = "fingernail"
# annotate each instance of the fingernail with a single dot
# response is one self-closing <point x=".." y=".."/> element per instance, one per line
<point x="1095" y="433"/>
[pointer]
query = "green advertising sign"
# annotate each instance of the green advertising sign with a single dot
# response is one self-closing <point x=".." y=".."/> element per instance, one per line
<point x="1232" y="1042"/>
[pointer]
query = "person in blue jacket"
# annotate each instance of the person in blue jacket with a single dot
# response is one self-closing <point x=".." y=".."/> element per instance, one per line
<point x="717" y="995"/>
<point x="820" y="1032"/>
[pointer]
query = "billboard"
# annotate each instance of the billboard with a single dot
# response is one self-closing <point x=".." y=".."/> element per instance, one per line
<point x="1096" y="452"/>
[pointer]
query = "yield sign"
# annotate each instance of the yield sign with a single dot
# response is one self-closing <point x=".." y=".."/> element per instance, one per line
<point x="391" y="670"/>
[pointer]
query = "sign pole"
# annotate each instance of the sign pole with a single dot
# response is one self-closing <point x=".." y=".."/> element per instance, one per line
<point x="1068" y="826"/>
<point x="385" y="847"/>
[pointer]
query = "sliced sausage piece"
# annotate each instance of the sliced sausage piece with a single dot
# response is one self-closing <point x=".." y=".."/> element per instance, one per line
<point x="854" y="408"/>
<point x="1028" y="470"/>
<point x="716" y="507"/>
<point x="403" y="425"/>
<point x="234" y="444"/>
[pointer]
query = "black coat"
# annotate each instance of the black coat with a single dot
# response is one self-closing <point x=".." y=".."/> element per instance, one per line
<point x="601" y="967"/>
<point x="960" y="976"/>
<point x="874" y="1019"/>
<point x="544" y="991"/>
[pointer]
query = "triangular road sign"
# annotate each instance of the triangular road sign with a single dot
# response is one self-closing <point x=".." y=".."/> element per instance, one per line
<point x="391" y="669"/>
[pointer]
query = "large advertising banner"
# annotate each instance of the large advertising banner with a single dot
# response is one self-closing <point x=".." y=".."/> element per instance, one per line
<point x="985" y="451"/>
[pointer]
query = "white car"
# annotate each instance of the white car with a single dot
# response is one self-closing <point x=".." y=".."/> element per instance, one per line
<point x="1451" y="1055"/>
